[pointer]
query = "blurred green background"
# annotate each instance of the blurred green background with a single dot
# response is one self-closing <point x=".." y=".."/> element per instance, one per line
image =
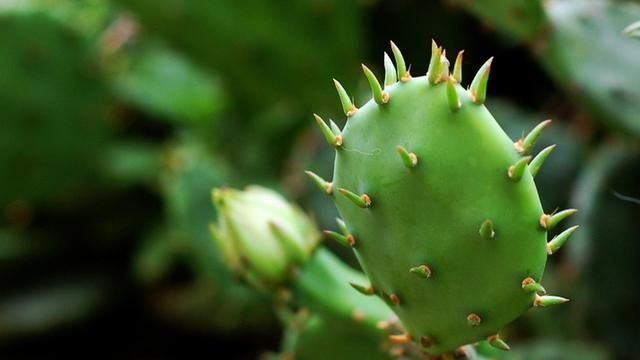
<point x="118" y="117"/>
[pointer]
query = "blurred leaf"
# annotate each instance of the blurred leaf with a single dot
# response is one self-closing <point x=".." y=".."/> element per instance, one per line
<point x="88" y="17"/>
<point x="522" y="20"/>
<point x="579" y="44"/>
<point x="190" y="175"/>
<point x="53" y="305"/>
<point x="605" y="247"/>
<point x="53" y="109"/>
<point x="633" y="30"/>
<point x="208" y="294"/>
<point x="132" y="162"/>
<point x="545" y="350"/>
<point x="15" y="246"/>
<point x="275" y="60"/>
<point x="587" y="56"/>
<point x="274" y="45"/>
<point x="167" y="84"/>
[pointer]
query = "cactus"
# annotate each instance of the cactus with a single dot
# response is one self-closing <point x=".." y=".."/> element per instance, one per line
<point x="273" y="245"/>
<point x="440" y="205"/>
<point x="561" y="169"/>
<point x="260" y="234"/>
<point x="339" y="339"/>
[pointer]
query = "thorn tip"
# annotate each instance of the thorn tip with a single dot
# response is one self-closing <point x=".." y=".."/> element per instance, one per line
<point x="363" y="201"/>
<point x="347" y="105"/>
<point x="478" y="88"/>
<point x="556" y="243"/>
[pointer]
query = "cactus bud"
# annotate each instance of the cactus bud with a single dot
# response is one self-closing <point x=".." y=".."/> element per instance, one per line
<point x="271" y="234"/>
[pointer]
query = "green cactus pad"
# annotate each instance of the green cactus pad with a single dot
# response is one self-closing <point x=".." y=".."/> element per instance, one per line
<point x="467" y="209"/>
<point x="338" y="340"/>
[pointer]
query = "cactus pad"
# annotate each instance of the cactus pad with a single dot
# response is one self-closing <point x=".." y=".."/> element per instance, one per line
<point x="441" y="206"/>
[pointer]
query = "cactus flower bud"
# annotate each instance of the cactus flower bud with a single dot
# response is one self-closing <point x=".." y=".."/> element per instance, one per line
<point x="260" y="234"/>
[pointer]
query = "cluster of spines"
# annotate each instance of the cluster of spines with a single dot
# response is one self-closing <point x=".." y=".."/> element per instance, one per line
<point x="438" y="72"/>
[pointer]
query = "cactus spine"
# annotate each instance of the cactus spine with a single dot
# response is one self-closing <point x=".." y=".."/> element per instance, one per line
<point x="443" y="205"/>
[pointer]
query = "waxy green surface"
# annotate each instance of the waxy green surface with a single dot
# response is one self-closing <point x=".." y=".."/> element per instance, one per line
<point x="431" y="214"/>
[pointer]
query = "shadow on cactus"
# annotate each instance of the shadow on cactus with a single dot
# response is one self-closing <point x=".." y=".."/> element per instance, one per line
<point x="440" y="205"/>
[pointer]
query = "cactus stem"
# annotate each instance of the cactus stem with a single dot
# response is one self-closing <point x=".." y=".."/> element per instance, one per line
<point x="486" y="230"/>
<point x="322" y="184"/>
<point x="344" y="240"/>
<point x="496" y="342"/>
<point x="452" y="96"/>
<point x="478" y="89"/>
<point x="333" y="139"/>
<point x="537" y="162"/>
<point x="530" y="285"/>
<point x="526" y="144"/>
<point x="379" y="96"/>
<point x="347" y="105"/>
<point x="548" y="300"/>
<point x="433" y="74"/>
<point x="473" y="319"/>
<point x="426" y="341"/>
<point x="457" y="67"/>
<point x="364" y="290"/>
<point x="403" y="74"/>
<point x="410" y="160"/>
<point x="556" y="243"/>
<point x="423" y="271"/>
<point x="390" y="76"/>
<point x="516" y="171"/>
<point x="548" y="222"/>
<point x="401" y="339"/>
<point x="363" y="201"/>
